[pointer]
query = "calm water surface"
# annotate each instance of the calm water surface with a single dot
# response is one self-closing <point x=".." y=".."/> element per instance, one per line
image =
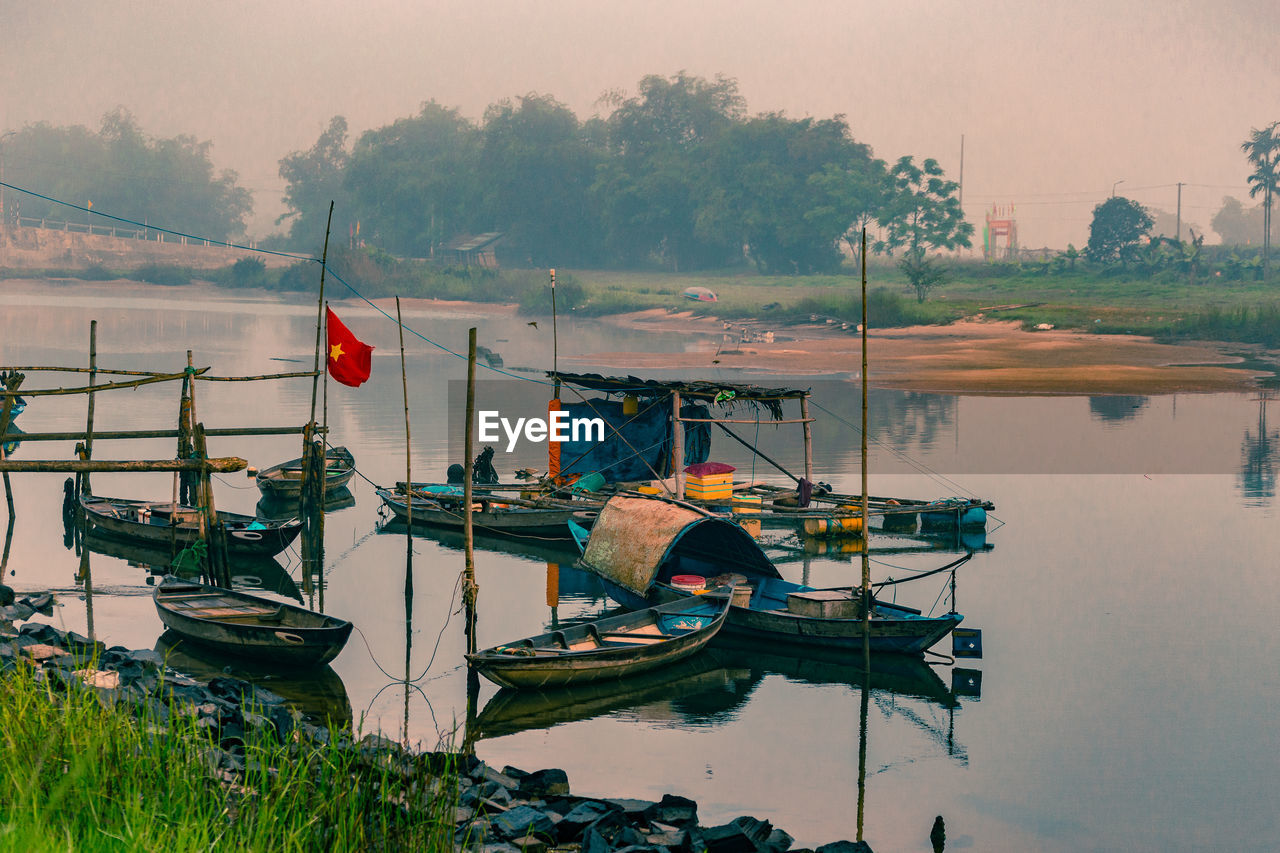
<point x="1129" y="689"/>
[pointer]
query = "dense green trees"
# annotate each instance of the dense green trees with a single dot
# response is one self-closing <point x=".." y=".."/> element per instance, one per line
<point x="121" y="170"/>
<point x="1117" y="229"/>
<point x="1262" y="148"/>
<point x="677" y="176"/>
<point x="536" y="170"/>
<point x="314" y="179"/>
<point x="414" y="183"/>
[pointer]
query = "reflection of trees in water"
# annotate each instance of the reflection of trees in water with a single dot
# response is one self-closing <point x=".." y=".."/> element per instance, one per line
<point x="1116" y="407"/>
<point x="1257" y="459"/>
<point x="907" y="421"/>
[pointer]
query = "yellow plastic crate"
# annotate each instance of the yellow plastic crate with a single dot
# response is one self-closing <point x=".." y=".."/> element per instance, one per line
<point x="718" y="492"/>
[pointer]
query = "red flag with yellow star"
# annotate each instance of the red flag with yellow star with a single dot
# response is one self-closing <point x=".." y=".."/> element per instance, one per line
<point x="350" y="359"/>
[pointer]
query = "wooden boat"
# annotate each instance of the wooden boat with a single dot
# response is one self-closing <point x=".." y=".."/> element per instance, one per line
<point x="639" y="545"/>
<point x="163" y="524"/>
<point x="609" y="648"/>
<point x="441" y="507"/>
<point x="285" y="480"/>
<point x="271" y="632"/>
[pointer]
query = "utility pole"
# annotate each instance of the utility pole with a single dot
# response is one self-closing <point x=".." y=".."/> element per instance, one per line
<point x="1179" y="234"/>
<point x="3" y="137"/>
<point x="961" y="194"/>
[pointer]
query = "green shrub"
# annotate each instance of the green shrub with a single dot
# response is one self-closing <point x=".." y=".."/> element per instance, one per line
<point x="248" y="272"/>
<point x="166" y="274"/>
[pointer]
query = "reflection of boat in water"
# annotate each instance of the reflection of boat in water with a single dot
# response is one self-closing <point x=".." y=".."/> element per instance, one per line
<point x="285" y="508"/>
<point x="562" y="551"/>
<point x="10" y="446"/>
<point x="247" y="573"/>
<point x="703" y="682"/>
<point x="318" y="693"/>
<point x="706" y="687"/>
<point x="902" y="675"/>
<point x="569" y="582"/>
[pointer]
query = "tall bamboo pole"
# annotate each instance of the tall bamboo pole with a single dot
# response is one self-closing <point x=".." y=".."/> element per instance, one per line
<point x="308" y="507"/>
<point x="468" y="540"/>
<point x="866" y="565"/>
<point x="677" y="445"/>
<point x="408" y="538"/>
<point x="12" y="382"/>
<point x="324" y="260"/>
<point x="408" y="441"/>
<point x="555" y="339"/>
<point x="85" y="487"/>
<point x="808" y="438"/>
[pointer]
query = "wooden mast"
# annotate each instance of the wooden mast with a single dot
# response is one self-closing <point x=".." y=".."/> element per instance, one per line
<point x="469" y="584"/>
<point x="866" y="566"/>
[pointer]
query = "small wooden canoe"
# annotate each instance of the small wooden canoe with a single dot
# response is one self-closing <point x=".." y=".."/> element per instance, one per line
<point x="273" y="633"/>
<point x="163" y="524"/>
<point x="441" y="507"/>
<point x="285" y="480"/>
<point x="613" y="647"/>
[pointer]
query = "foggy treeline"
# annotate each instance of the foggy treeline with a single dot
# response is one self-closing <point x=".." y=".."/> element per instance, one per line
<point x="677" y="177"/>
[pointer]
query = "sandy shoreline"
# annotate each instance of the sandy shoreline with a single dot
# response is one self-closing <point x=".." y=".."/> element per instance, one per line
<point x="992" y="357"/>
<point x="973" y="356"/>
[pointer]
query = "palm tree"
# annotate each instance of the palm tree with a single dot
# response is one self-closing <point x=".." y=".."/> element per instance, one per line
<point x="1263" y="150"/>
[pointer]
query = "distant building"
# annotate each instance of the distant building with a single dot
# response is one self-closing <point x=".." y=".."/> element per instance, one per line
<point x="474" y="251"/>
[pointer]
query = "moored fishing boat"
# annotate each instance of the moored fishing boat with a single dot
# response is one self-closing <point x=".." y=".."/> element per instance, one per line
<point x="610" y="648"/>
<point x="273" y="633"/>
<point x="440" y="506"/>
<point x="165" y="524"/>
<point x="648" y="550"/>
<point x="284" y="481"/>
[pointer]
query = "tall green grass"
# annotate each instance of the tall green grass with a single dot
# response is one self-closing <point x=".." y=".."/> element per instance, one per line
<point x="80" y="772"/>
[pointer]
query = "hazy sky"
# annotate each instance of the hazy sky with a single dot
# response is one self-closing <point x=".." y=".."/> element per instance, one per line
<point x="1056" y="100"/>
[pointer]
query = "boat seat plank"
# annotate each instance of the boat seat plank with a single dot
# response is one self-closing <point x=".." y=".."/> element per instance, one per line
<point x="224" y="612"/>
<point x="637" y="638"/>
<point x="256" y="618"/>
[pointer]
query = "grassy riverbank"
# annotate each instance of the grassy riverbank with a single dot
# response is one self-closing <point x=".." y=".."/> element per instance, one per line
<point x="1163" y="303"/>
<point x="80" y="772"/>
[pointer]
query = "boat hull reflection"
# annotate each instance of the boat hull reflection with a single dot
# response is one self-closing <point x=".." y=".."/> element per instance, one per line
<point x="319" y="694"/>
<point x="248" y="574"/>
<point x="706" y="689"/>
<point x="285" y="508"/>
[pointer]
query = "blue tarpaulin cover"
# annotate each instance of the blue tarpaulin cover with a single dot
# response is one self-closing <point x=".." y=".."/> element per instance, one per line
<point x="648" y="434"/>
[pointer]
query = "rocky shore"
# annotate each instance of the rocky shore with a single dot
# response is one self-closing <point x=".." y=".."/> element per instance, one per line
<point x="496" y="810"/>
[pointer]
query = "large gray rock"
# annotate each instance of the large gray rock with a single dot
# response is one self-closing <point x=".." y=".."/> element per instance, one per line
<point x="524" y="820"/>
